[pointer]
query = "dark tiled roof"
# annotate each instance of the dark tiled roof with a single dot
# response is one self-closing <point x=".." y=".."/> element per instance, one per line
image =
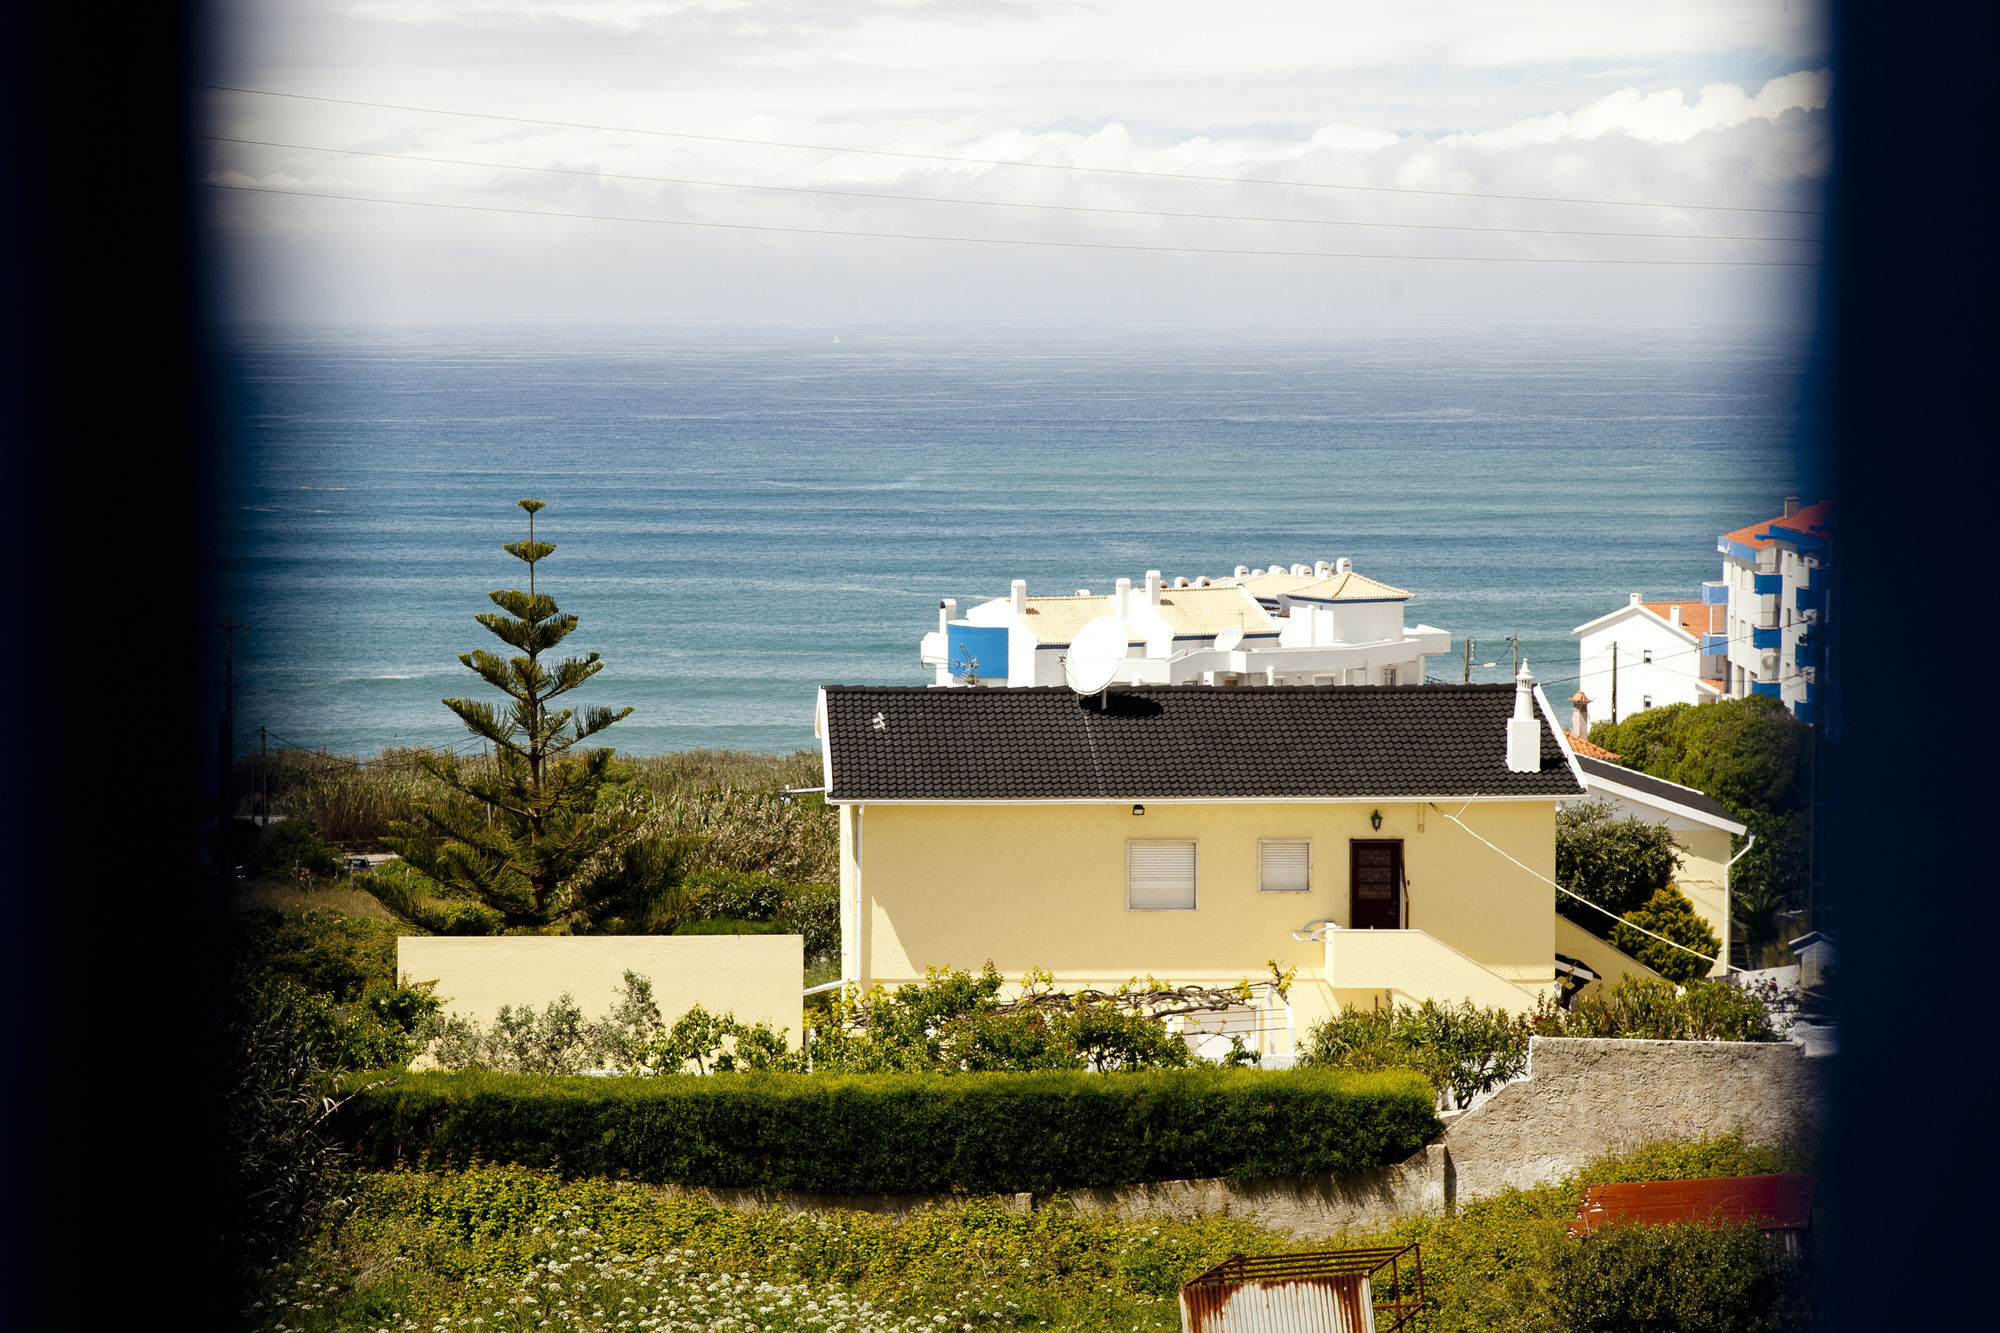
<point x="916" y="743"/>
<point x="1652" y="786"/>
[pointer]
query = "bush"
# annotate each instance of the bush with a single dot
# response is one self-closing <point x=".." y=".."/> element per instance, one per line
<point x="1670" y="1279"/>
<point x="1669" y="913"/>
<point x="1650" y="1009"/>
<point x="903" y="1134"/>
<point x="321" y="950"/>
<point x="1463" y="1050"/>
<point x="1617" y="863"/>
<point x="282" y="849"/>
<point x="729" y="925"/>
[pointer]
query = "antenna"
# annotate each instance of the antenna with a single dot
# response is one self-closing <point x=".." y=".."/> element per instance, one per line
<point x="1095" y="654"/>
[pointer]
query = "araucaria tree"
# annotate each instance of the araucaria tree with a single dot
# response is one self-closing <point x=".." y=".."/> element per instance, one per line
<point x="520" y="832"/>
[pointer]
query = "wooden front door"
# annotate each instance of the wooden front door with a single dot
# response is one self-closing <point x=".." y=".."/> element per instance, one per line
<point x="1375" y="885"/>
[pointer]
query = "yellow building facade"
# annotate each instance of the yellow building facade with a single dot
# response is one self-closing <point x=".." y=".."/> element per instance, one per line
<point x="1212" y="888"/>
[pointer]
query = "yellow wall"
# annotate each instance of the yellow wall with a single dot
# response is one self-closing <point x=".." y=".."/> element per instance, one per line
<point x="1044" y="886"/>
<point x="759" y="977"/>
<point x="1703" y="878"/>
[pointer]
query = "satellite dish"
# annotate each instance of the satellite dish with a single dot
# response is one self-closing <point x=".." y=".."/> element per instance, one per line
<point x="1229" y="638"/>
<point x="1095" y="654"/>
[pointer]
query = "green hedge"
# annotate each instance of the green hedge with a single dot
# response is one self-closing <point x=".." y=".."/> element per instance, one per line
<point x="901" y="1133"/>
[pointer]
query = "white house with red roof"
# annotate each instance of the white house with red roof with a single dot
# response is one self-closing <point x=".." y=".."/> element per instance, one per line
<point x="1645" y="655"/>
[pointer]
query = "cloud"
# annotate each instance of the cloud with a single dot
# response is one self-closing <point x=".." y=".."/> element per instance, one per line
<point x="1661" y="117"/>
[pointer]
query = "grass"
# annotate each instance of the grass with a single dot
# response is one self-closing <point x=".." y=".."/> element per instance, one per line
<point x="496" y="1247"/>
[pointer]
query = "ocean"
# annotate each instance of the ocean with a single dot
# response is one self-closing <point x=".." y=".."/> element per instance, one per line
<point x="742" y="514"/>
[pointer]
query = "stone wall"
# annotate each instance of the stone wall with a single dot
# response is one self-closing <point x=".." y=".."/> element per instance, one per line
<point x="1586" y="1097"/>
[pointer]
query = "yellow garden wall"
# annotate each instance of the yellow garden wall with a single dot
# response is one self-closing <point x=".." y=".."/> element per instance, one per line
<point x="1029" y="885"/>
<point x="759" y="977"/>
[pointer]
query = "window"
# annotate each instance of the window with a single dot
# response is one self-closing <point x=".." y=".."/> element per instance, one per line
<point x="1646" y="656"/>
<point x="1159" y="876"/>
<point x="1388" y="675"/>
<point x="1645" y="701"/>
<point x="1284" y="865"/>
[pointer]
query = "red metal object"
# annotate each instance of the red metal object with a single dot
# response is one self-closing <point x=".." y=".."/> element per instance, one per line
<point x="1773" y="1203"/>
<point x="1327" y="1291"/>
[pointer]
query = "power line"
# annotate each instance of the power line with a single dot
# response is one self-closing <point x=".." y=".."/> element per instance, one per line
<point x="1002" y="240"/>
<point x="1010" y="162"/>
<point x="594" y="174"/>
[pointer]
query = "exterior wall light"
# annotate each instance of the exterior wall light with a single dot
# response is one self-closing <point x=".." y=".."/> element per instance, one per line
<point x="1138" y="809"/>
<point x="1375" y="820"/>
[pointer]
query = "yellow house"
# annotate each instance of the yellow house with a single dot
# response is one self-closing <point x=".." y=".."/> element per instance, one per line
<point x="1390" y="843"/>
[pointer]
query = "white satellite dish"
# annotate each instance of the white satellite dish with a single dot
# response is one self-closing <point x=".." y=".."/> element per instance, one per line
<point x="1095" y="654"/>
<point x="1229" y="638"/>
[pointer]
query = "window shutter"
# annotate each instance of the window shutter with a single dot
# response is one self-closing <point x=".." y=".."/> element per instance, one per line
<point x="1284" y="866"/>
<point x="1159" y="876"/>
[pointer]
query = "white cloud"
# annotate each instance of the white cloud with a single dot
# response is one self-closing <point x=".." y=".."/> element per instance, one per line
<point x="1664" y="116"/>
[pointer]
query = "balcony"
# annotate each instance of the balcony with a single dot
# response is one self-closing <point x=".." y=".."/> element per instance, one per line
<point x="1761" y="639"/>
<point x="1715" y="594"/>
<point x="1714" y="645"/>
<point x="1765" y="585"/>
<point x="1411" y="966"/>
<point x="1809" y="599"/>
<point x="1770" y="689"/>
<point x="1805" y="654"/>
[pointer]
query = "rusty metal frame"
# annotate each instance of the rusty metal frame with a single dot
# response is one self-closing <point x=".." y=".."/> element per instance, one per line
<point x="1404" y="1265"/>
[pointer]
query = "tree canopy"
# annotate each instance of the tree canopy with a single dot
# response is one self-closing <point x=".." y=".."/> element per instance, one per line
<point x="526" y="835"/>
<point x="1616" y="862"/>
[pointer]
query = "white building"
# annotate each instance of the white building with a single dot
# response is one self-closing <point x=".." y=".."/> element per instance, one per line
<point x="1774" y="574"/>
<point x="1322" y="624"/>
<point x="1648" y="654"/>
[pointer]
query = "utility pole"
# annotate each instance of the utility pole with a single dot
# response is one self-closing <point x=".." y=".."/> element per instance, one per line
<point x="1515" y="639"/>
<point x="263" y="776"/>
<point x="1614" y="680"/>
<point x="1468" y="662"/>
<point x="226" y="755"/>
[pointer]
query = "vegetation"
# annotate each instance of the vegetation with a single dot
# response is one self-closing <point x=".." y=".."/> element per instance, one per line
<point x="1669" y="914"/>
<point x="441" y="1249"/>
<point x="1617" y="863"/>
<point x="1464" y="1050"/>
<point x="1753" y="757"/>
<point x="523" y="827"/>
<point x="903" y="1133"/>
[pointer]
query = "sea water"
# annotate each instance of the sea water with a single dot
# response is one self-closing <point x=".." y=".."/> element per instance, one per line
<point x="742" y="514"/>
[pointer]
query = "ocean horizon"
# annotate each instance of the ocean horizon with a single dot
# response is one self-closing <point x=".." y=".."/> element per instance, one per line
<point x="743" y="513"/>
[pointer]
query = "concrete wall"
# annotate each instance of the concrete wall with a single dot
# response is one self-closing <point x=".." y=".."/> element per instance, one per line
<point x="1586" y="1097"/>
<point x="758" y="977"/>
<point x="1044" y="886"/>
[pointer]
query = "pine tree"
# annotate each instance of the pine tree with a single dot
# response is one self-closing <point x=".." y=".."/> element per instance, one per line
<point x="531" y="821"/>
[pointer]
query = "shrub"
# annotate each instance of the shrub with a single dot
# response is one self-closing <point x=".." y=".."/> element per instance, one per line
<point x="279" y="850"/>
<point x="1617" y="863"/>
<point x="1462" y="1050"/>
<point x="729" y="925"/>
<point x="900" y="1134"/>
<point x="1669" y="913"/>
<point x="321" y="950"/>
<point x="1648" y="1008"/>
<point x="1670" y="1279"/>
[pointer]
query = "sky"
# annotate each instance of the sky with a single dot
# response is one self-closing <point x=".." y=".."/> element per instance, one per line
<point x="1074" y="160"/>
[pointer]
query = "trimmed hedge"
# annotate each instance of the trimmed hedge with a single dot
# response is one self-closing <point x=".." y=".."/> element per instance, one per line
<point x="901" y="1133"/>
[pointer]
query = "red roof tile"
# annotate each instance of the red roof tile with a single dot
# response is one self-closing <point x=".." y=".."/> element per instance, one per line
<point x="1696" y="617"/>
<point x="1810" y="519"/>
<point x="1585" y="749"/>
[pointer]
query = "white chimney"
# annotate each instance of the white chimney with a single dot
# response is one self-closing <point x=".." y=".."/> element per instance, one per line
<point x="1674" y="615"/>
<point x="947" y="612"/>
<point x="1579" y="714"/>
<point x="1791" y="505"/>
<point x="1257" y="573"/>
<point x="1524" y="731"/>
<point x="1181" y="581"/>
<point x="1243" y="571"/>
<point x="1301" y="570"/>
<point x="1020" y="597"/>
<point x="1123" y="599"/>
<point x="1343" y="566"/>
<point x="1322" y="569"/>
<point x="1635" y="599"/>
<point x="1152" y="587"/>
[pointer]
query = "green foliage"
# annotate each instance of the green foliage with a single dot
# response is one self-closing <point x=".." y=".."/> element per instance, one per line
<point x="1617" y="863"/>
<point x="524" y="834"/>
<point x="729" y="925"/>
<point x="1461" y="1050"/>
<point x="954" y="1022"/>
<point x="281" y="849"/>
<point x="1751" y="755"/>
<point x="1644" y="1279"/>
<point x="321" y="950"/>
<point x="1668" y="912"/>
<point x="737" y="802"/>
<point x="903" y="1134"/>
<point x="1651" y="1009"/>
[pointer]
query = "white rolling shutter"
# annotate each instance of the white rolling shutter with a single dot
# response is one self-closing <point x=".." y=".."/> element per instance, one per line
<point x="1159" y="876"/>
<point x="1284" y="865"/>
